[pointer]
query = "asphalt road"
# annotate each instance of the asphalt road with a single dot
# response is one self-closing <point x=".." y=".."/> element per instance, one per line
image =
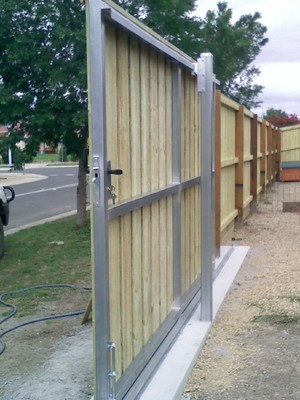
<point x="46" y="198"/>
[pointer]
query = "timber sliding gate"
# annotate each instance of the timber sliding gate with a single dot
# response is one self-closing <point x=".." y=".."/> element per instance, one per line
<point x="145" y="162"/>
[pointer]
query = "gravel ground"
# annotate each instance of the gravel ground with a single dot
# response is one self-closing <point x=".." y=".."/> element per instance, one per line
<point x="253" y="350"/>
<point x="51" y="362"/>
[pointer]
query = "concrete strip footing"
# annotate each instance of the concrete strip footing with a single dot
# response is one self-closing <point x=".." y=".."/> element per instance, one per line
<point x="170" y="379"/>
<point x="171" y="376"/>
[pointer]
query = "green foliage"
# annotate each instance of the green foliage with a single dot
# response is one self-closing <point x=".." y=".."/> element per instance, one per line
<point x="169" y="18"/>
<point x="43" y="92"/>
<point x="3" y="151"/>
<point x="43" y="78"/>
<point x="233" y="45"/>
<point x="19" y="158"/>
<point x="280" y="118"/>
<point x="43" y="85"/>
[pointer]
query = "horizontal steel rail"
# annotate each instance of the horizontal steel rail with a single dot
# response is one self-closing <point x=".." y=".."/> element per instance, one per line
<point x="147" y="37"/>
<point x="138" y="202"/>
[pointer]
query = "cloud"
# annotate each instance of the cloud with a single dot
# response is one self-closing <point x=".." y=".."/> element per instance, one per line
<point x="281" y="86"/>
<point x="281" y="46"/>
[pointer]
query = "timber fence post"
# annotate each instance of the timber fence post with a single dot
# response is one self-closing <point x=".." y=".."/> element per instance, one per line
<point x="253" y="187"/>
<point x="239" y="169"/>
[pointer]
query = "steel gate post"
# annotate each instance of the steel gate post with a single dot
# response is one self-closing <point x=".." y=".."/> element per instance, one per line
<point x="98" y="179"/>
<point x="206" y="79"/>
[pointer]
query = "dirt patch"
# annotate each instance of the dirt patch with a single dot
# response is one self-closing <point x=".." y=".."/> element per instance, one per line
<point x="50" y="360"/>
<point x="253" y="350"/>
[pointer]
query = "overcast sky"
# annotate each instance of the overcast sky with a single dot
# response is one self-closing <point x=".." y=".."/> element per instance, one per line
<point x="279" y="60"/>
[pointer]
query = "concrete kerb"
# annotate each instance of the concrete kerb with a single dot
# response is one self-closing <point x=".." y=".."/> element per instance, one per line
<point x="41" y="222"/>
<point x="17" y="178"/>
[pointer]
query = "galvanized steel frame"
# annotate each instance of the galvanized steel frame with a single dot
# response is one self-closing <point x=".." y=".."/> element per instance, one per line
<point x="98" y="13"/>
<point x="98" y="179"/>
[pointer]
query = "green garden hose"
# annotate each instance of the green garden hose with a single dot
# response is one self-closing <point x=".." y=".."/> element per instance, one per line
<point x="13" y="308"/>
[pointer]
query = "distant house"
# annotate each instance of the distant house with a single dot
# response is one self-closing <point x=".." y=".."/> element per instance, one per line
<point x="45" y="148"/>
<point x="3" y="130"/>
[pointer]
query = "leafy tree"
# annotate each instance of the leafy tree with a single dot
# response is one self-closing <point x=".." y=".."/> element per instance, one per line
<point x="280" y="118"/>
<point x="172" y="19"/>
<point x="233" y="45"/>
<point x="43" y="89"/>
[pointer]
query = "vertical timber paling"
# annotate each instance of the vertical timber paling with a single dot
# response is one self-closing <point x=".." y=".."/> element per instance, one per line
<point x="239" y="170"/>
<point x="135" y="151"/>
<point x="124" y="158"/>
<point x="176" y="177"/>
<point x="269" y="152"/>
<point x="145" y="188"/>
<point x="278" y="153"/>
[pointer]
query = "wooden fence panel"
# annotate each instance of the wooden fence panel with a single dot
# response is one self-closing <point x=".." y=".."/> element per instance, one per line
<point x="290" y="143"/>
<point x="249" y="152"/>
<point x="190" y="163"/>
<point x="228" y="164"/>
<point x="191" y="160"/>
<point x="139" y="141"/>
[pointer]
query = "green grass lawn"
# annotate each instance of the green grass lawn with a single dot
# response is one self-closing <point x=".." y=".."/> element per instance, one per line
<point x="50" y="158"/>
<point x="46" y="158"/>
<point x="54" y="253"/>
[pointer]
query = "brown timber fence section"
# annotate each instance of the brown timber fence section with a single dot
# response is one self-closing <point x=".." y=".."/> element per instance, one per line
<point x="247" y="161"/>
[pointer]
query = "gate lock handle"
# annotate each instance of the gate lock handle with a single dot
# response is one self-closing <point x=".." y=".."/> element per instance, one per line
<point x="110" y="188"/>
<point x="115" y="171"/>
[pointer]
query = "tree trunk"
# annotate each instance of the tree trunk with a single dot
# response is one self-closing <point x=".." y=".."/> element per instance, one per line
<point x="81" y="194"/>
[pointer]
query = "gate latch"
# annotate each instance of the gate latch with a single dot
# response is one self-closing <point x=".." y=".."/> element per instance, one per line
<point x="112" y="374"/>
